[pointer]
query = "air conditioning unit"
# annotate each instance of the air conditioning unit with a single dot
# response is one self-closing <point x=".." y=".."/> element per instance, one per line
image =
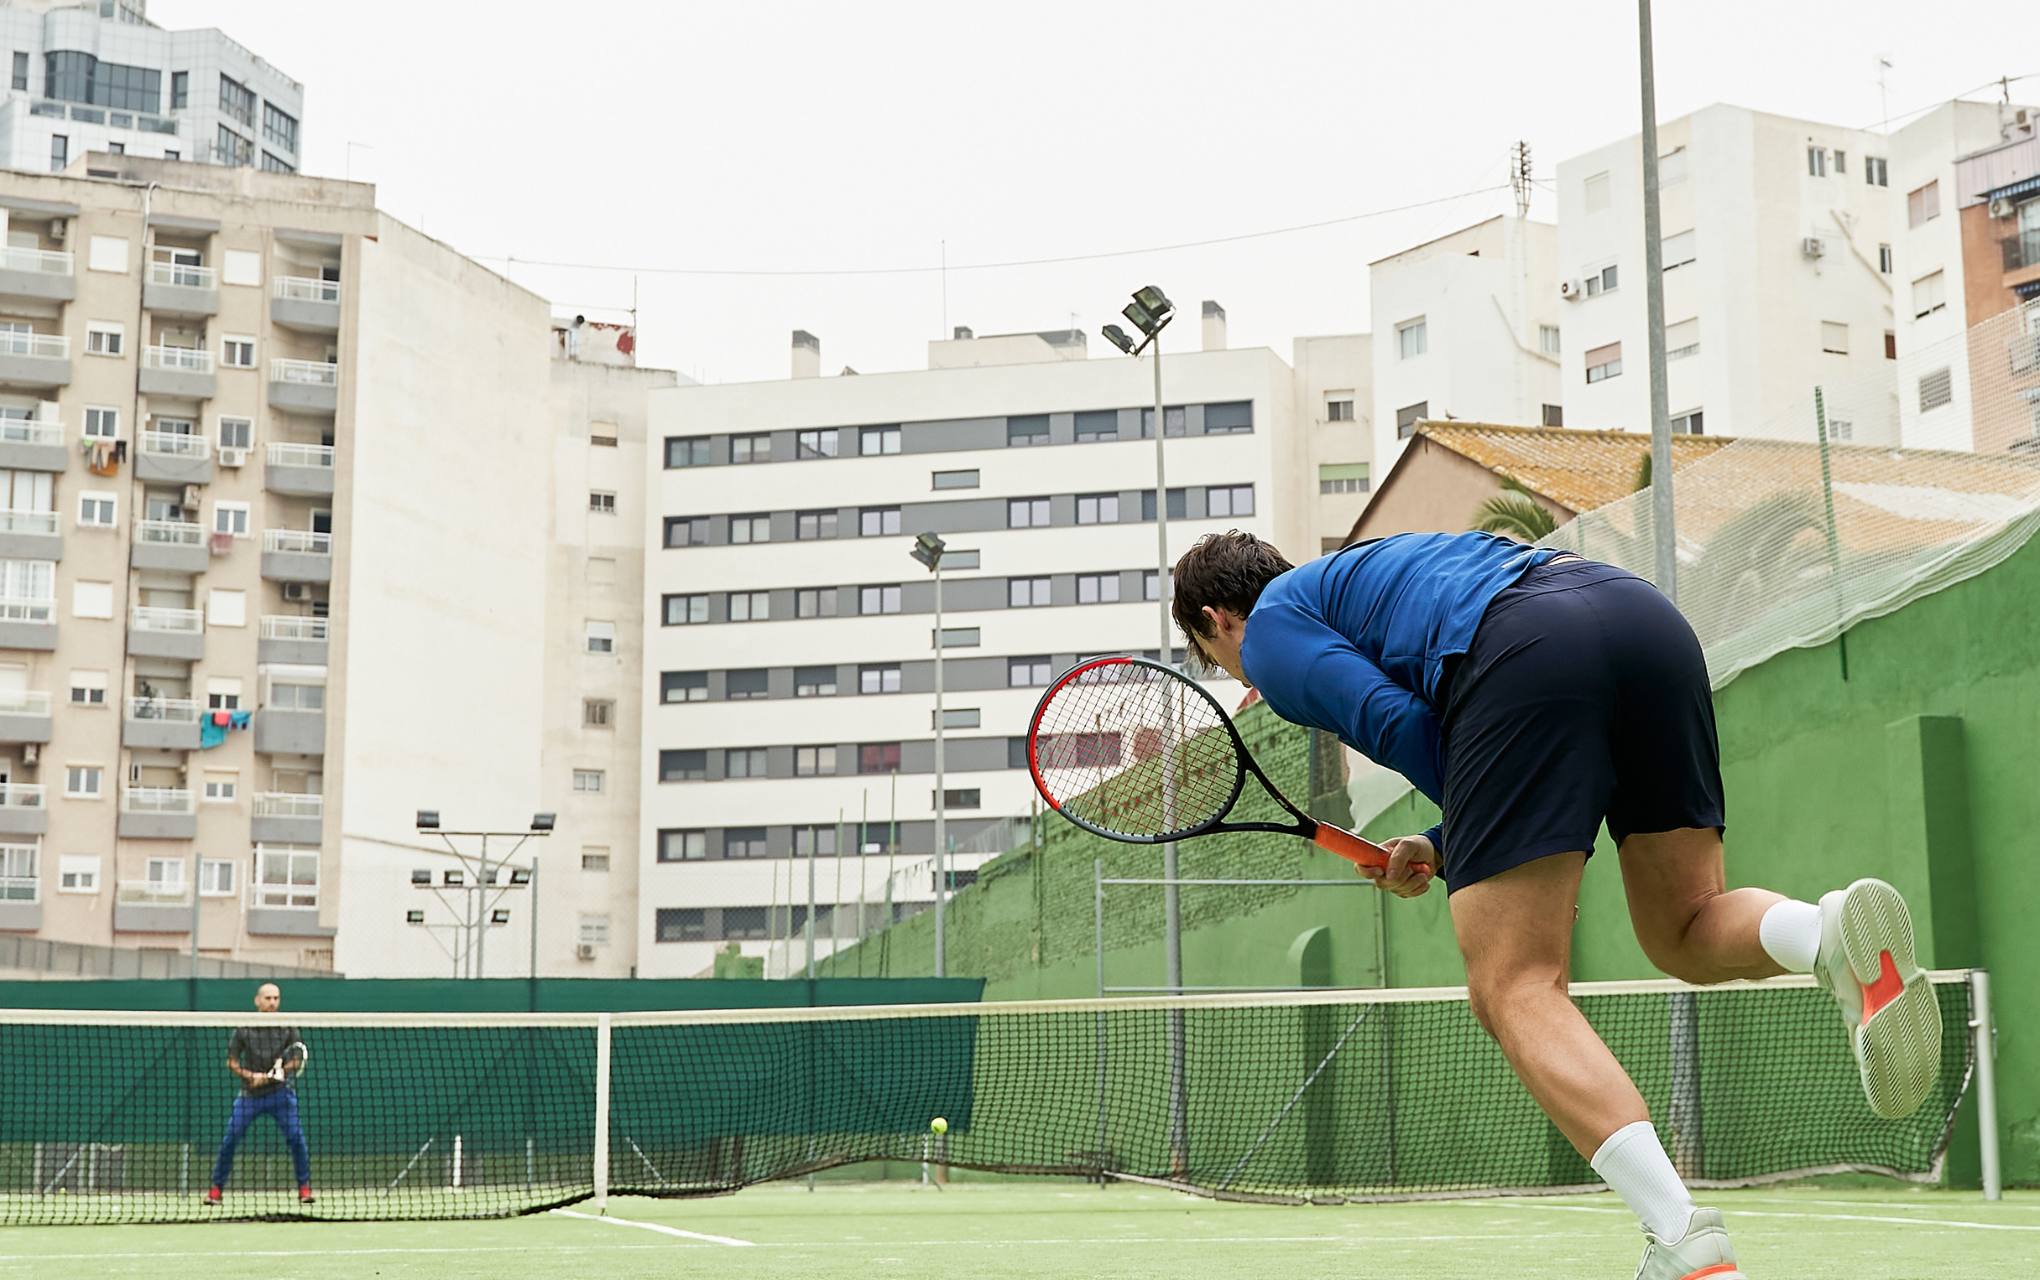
<point x="584" y="951"/>
<point x="297" y="592"/>
<point x="233" y="457"/>
<point x="192" y="497"/>
<point x="30" y="752"/>
<point x="60" y="228"/>
<point x="1812" y="247"/>
<point x="1570" y="290"/>
<point x="2002" y="208"/>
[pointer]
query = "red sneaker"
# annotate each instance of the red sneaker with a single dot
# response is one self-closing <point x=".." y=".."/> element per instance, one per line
<point x="212" y="1195"/>
<point x="304" y="1193"/>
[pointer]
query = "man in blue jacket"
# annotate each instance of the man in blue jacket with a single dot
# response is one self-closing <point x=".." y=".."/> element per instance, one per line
<point x="1533" y="695"/>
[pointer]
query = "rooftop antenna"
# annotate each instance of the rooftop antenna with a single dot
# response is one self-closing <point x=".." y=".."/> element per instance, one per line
<point x="1519" y="177"/>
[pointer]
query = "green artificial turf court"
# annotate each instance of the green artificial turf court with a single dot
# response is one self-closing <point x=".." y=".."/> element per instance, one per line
<point x="891" y="1229"/>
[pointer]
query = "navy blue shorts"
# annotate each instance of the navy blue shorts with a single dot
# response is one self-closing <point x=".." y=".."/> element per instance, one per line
<point x="1583" y="698"/>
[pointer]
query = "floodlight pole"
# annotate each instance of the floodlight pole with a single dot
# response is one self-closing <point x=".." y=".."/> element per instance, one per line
<point x="941" y="808"/>
<point x="1664" y="532"/>
<point x="1172" y="899"/>
<point x="482" y="924"/>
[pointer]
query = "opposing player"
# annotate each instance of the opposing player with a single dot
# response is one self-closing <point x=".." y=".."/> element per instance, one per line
<point x="261" y="1058"/>
<point x="1534" y="695"/>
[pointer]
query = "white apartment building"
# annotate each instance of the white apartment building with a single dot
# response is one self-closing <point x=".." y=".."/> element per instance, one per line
<point x="1334" y="409"/>
<point x="1778" y="256"/>
<point x="1466" y="326"/>
<point x="97" y="75"/>
<point x="789" y="638"/>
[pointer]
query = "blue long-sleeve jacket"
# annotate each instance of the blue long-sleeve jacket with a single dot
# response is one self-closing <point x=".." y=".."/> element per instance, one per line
<point x="1354" y="642"/>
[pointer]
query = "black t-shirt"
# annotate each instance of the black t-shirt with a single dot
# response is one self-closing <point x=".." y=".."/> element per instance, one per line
<point x="257" y="1049"/>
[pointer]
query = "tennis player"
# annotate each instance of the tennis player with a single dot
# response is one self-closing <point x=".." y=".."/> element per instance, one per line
<point x="252" y="1054"/>
<point x="1534" y="695"/>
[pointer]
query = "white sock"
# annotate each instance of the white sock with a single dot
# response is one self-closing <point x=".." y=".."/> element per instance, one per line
<point x="1790" y="932"/>
<point x="1633" y="1162"/>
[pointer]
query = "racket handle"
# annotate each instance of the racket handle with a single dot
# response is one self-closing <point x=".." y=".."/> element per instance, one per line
<point x="1354" y="849"/>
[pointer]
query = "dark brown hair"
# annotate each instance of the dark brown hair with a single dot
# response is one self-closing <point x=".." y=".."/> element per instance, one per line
<point x="1225" y="571"/>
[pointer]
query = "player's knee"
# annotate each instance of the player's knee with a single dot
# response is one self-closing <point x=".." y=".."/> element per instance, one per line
<point x="1497" y="1000"/>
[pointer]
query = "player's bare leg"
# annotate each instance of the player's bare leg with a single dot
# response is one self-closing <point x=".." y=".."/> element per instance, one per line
<point x="1691" y="925"/>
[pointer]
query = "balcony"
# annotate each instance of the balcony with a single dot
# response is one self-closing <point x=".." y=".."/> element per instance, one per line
<point x="171" y="546"/>
<point x="2025" y="352"/>
<point x="146" y="906"/>
<point x="174" y="289"/>
<point x="28" y="624"/>
<point x="22" y="811"/>
<point x="157" y="813"/>
<point x="30" y="535"/>
<point x="161" y="724"/>
<point x="283" y="897"/>
<point x="297" y="555"/>
<point x="287" y="818"/>
<point x="33" y="444"/>
<point x="35" y="361"/>
<point x="299" y="470"/>
<point x="282" y="731"/>
<point x="309" y="306"/>
<point x="185" y="373"/>
<point x="20" y="896"/>
<point x="174" y="457"/>
<point x="24" y="716"/>
<point x="166" y="633"/>
<point x="304" y="386"/>
<point x="293" y="640"/>
<point x="40" y="275"/>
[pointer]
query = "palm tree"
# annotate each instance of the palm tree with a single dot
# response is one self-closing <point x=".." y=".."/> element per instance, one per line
<point x="1514" y="513"/>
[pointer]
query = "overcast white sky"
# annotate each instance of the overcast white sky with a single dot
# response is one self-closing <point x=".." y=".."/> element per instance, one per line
<point x="745" y="135"/>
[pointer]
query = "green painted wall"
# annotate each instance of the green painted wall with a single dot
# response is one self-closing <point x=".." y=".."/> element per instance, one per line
<point x="490" y="995"/>
<point x="1919" y="767"/>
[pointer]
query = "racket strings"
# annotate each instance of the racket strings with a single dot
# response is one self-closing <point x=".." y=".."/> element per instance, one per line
<point x="1135" y="751"/>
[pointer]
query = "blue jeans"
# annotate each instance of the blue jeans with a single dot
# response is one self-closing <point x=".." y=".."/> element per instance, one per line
<point x="278" y="1103"/>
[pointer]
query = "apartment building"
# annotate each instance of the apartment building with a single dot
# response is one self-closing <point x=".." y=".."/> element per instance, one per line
<point x="1334" y="410"/>
<point x="790" y="637"/>
<point x="1778" y="260"/>
<point x="97" y="75"/>
<point x="1466" y="326"/>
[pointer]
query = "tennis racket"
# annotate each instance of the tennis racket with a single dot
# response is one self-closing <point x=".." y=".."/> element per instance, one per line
<point x="1132" y="750"/>
<point x="291" y="1063"/>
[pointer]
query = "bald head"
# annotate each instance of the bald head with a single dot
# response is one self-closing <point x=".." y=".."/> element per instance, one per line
<point x="268" y="997"/>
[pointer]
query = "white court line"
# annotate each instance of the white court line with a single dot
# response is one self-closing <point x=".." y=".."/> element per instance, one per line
<point x="661" y="1228"/>
<point x="1888" y="1204"/>
<point x="1812" y="1217"/>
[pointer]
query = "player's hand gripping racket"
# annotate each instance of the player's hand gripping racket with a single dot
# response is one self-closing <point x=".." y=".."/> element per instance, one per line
<point x="291" y="1063"/>
<point x="1134" y="751"/>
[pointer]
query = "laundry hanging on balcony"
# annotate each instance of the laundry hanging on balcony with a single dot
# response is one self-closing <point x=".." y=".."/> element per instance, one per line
<point x="213" y="730"/>
<point x="102" y="457"/>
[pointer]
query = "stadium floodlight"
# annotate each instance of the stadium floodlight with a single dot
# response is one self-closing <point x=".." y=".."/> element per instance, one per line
<point x="428" y="819"/>
<point x="1117" y="337"/>
<point x="541" y="822"/>
<point x="520" y="876"/>
<point x="421" y="878"/>
<point x="501" y="915"/>
<point x="414" y="917"/>
<point x="928" y="549"/>
<point x="454" y="879"/>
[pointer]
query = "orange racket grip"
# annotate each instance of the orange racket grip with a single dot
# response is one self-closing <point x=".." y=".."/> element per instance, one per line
<point x="1357" y="849"/>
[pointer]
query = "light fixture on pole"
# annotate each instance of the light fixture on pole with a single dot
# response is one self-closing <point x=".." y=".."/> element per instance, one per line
<point x="479" y="881"/>
<point x="928" y="550"/>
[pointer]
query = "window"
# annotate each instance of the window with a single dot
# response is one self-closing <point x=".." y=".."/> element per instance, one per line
<point x="875" y="442"/>
<point x="96" y="509"/>
<point x="683" y="686"/>
<point x="1678" y="250"/>
<point x="745" y="922"/>
<point x="221" y="785"/>
<point x="1026" y="513"/>
<point x="237" y="353"/>
<point x="750" y="606"/>
<point x="1554" y="415"/>
<point x="600" y="636"/>
<point x="598" y="713"/>
<point x="180" y="90"/>
<point x="873" y="522"/>
<point x="1841" y="160"/>
<point x="875" y="600"/>
<point x="814" y="602"/>
<point x="745" y="450"/>
<point x="680" y="924"/>
<point x="1923" y="204"/>
<point x="1151" y="585"/>
<point x="811" y="525"/>
<point x="878" y="757"/>
<point x="744" y="762"/>
<point x="602" y="435"/>
<point x="1026" y="431"/>
<point x="1097" y="588"/>
<point x="685" y="611"/>
<point x="593" y="926"/>
<point x="879" y="677"/>
<point x="231" y="149"/>
<point x="1688" y="423"/>
<point x="1682" y="339"/>
<point x="817" y="443"/>
<point x="20" y="70"/>
<point x="745" y="683"/>
<point x="1930" y="294"/>
<point x="1179" y="504"/>
<point x="1026" y="593"/>
<point x="104" y="339"/>
<point x="1229" y="500"/>
<point x="223" y="693"/>
<point x="76" y="872"/>
<point x="961" y="559"/>
<point x="60" y="152"/>
<point x="1671" y="167"/>
<point x="749" y="528"/>
<point x="1834" y="337"/>
<point x="1817" y="162"/>
<point x="92" y="599"/>
<point x="682" y="846"/>
<point x="957" y="638"/>
<point x="1175" y="420"/>
<point x="814" y="682"/>
<point x="1604" y="363"/>
<point x="231" y="518"/>
<point x="954" y="480"/>
<point x="1235" y="417"/>
<point x="684" y="531"/>
<point x="1876" y="171"/>
<point x="814" y="842"/>
<point x="959" y="798"/>
<point x="1890" y="345"/>
<point x="296" y="697"/>
<point x="1412" y="338"/>
<point x="1884" y="258"/>
<point x="1097" y="508"/>
<point x="1342" y="477"/>
<point x="1602" y="279"/>
<point x="1595" y="192"/>
<point x="88" y="688"/>
<point x="814" y="762"/>
<point x="1338" y="406"/>
<point x="102" y="424"/>
<point x="82" y="781"/>
<point x="602" y="502"/>
<point x="743" y="842"/>
<point x="682" y="766"/>
<point x="1841" y="430"/>
<point x="686" y="451"/>
<point x="1097" y="425"/>
<point x="1027" y="673"/>
<point x="1406" y="420"/>
<point x="588" y="782"/>
<point x="236" y="433"/>
<point x="1936" y="389"/>
<point x="279" y="127"/>
<point x="1547" y="339"/>
<point x="226" y="608"/>
<point x="237" y="100"/>
<point x="595" y="857"/>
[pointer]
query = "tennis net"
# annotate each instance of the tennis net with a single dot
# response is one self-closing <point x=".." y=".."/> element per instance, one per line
<point x="1320" y="1095"/>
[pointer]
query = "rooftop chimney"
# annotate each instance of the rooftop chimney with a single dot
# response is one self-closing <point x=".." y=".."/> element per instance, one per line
<point x="807" y="354"/>
<point x="1214" y="326"/>
<point x="962" y="333"/>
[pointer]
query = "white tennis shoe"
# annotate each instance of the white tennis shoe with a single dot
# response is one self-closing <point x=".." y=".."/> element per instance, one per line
<point x="1867" y="963"/>
<point x="1703" y="1253"/>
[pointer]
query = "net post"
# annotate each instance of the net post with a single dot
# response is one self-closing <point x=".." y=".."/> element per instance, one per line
<point x="601" y="1170"/>
<point x="1684" y="1116"/>
<point x="1985" y="1047"/>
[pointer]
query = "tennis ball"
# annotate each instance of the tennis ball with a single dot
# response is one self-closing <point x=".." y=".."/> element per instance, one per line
<point x="939" y="1125"/>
